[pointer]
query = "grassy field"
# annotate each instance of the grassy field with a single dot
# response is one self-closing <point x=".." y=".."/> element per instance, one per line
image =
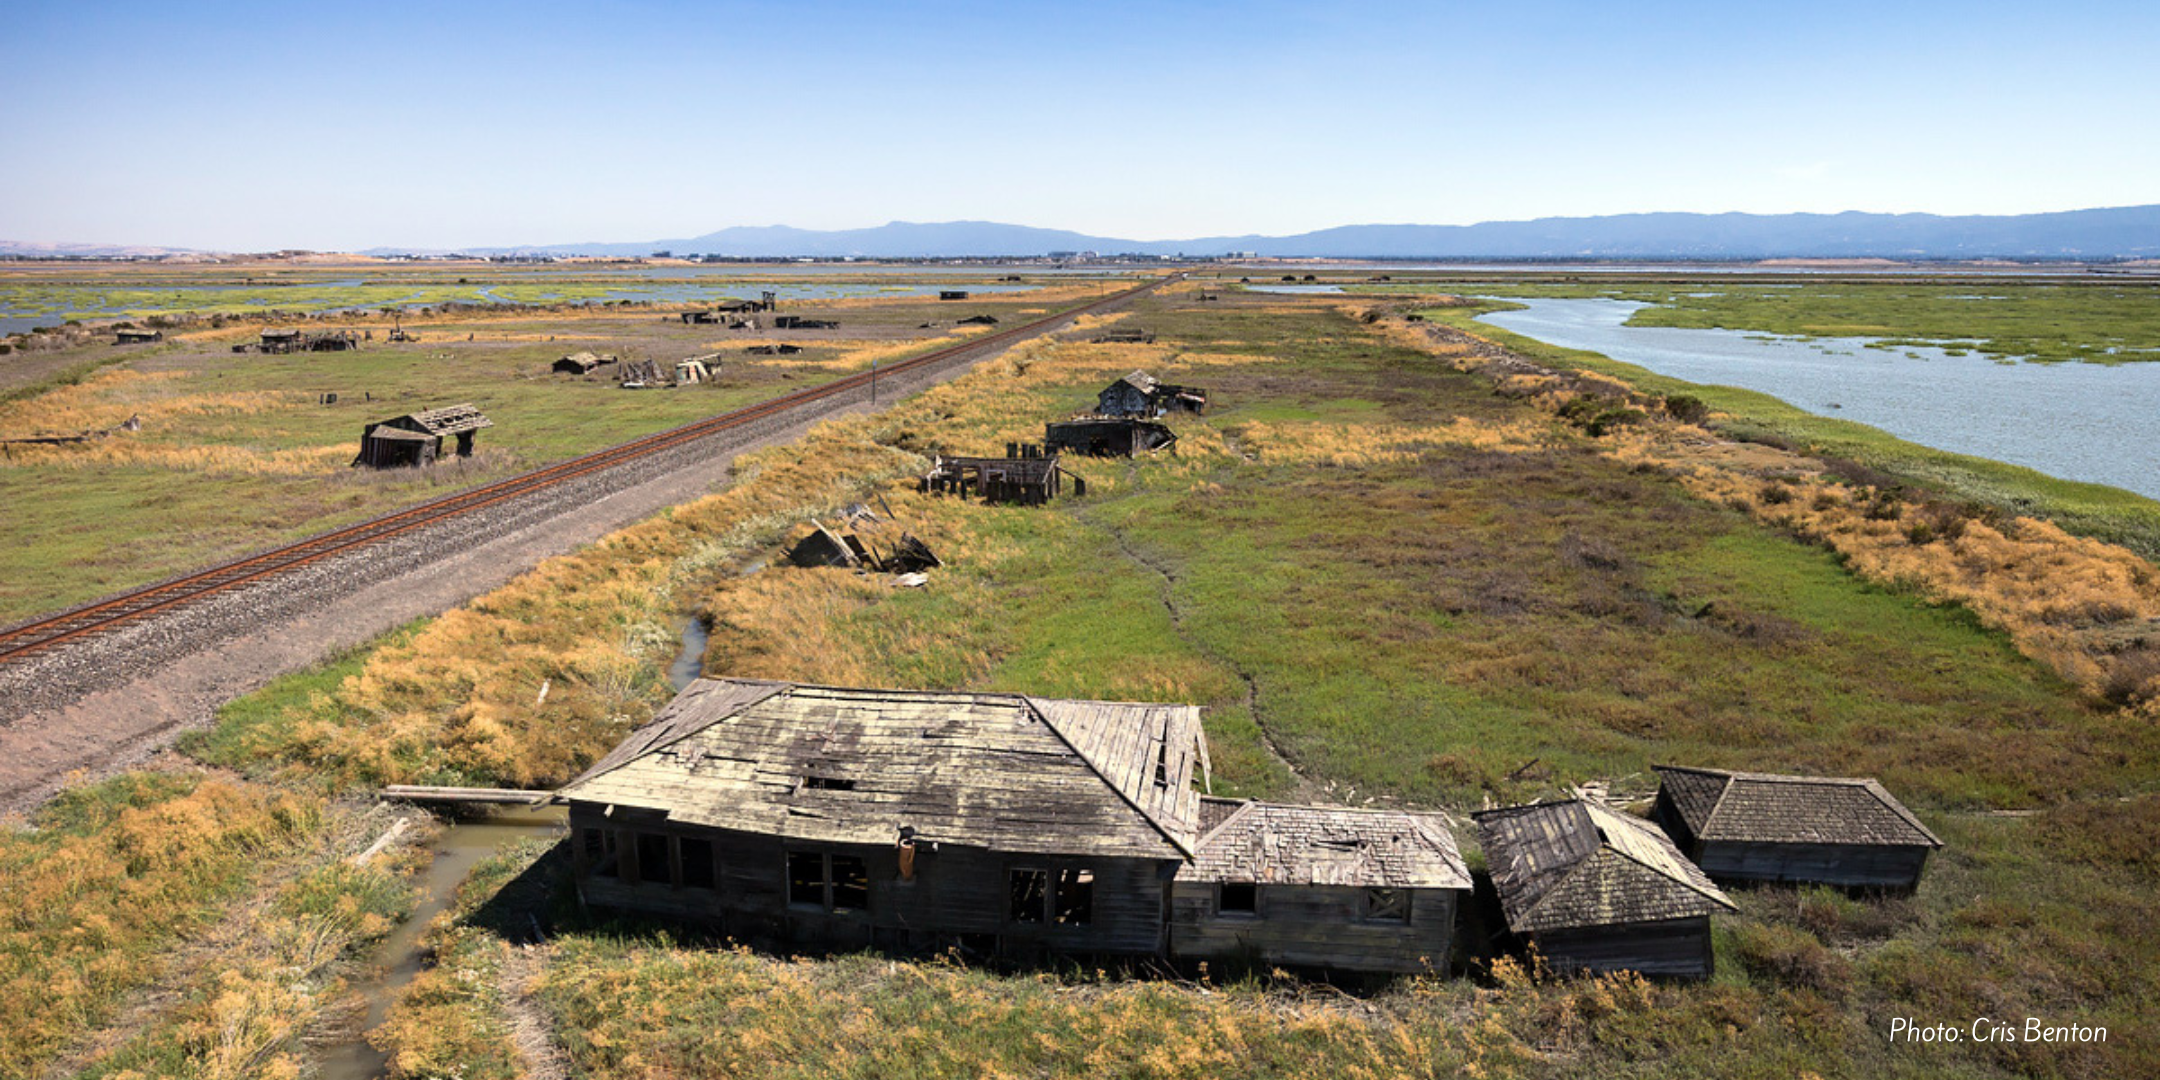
<point x="1390" y="580"/>
<point x="244" y="449"/>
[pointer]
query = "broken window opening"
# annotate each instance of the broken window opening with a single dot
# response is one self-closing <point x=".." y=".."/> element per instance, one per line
<point x="1237" y="898"/>
<point x="806" y="878"/>
<point x="1029" y="894"/>
<point x="850" y="883"/>
<point x="1162" y="764"/>
<point x="1391" y="905"/>
<point x="652" y="859"/>
<point x="600" y="853"/>
<point x="829" y="783"/>
<point x="697" y="864"/>
<point x="1075" y="897"/>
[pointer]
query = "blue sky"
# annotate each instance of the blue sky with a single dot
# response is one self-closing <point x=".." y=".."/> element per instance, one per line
<point x="247" y="126"/>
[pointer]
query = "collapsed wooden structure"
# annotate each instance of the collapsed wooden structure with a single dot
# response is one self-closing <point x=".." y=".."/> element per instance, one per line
<point x="1104" y="436"/>
<point x="1123" y="337"/>
<point x="798" y="322"/>
<point x="840" y="818"/>
<point x="417" y="438"/>
<point x="827" y="547"/>
<point x="1763" y="827"/>
<point x="1025" y="475"/>
<point x="1593" y="889"/>
<point x="129" y="335"/>
<point x="282" y="341"/>
<point x="1144" y="396"/>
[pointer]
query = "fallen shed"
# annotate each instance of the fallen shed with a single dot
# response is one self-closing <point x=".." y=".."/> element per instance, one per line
<point x="1102" y="436"/>
<point x="1319" y="886"/>
<point x="1123" y="337"/>
<point x="798" y="322"/>
<point x="773" y="350"/>
<point x="1593" y="889"/>
<point x="417" y="438"/>
<point x="978" y="320"/>
<point x="1764" y="827"/>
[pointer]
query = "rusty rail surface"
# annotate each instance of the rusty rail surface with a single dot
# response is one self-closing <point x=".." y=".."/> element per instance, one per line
<point x="117" y="611"/>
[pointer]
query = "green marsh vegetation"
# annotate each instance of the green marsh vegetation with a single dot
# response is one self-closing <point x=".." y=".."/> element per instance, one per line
<point x="1387" y="583"/>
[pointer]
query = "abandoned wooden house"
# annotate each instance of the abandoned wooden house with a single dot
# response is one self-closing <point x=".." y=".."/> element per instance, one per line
<point x="1316" y="886"/>
<point x="691" y="318"/>
<point x="918" y="820"/>
<point x="952" y="294"/>
<point x="334" y="341"/>
<point x="281" y="341"/>
<point x="417" y="438"/>
<point x="1123" y="337"/>
<point x="581" y="363"/>
<point x="1099" y="436"/>
<point x="1029" y="477"/>
<point x="798" y="322"/>
<point x="1593" y="889"/>
<point x="128" y="335"/>
<point x="1747" y="827"/>
<point x="837" y="818"/>
<point x="1143" y="395"/>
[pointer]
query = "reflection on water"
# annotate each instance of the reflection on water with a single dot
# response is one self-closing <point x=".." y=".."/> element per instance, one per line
<point x="2086" y="422"/>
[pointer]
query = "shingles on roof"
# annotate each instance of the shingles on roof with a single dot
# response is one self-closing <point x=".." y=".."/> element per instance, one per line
<point x="1580" y="863"/>
<point x="1766" y="808"/>
<point x="451" y="419"/>
<point x="1141" y="381"/>
<point x="1272" y="844"/>
<point x="1000" y="771"/>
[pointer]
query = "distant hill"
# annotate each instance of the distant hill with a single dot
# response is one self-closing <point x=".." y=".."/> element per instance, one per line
<point x="2125" y="232"/>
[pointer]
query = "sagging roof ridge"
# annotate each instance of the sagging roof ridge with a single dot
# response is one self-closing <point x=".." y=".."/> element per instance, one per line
<point x="1865" y="783"/>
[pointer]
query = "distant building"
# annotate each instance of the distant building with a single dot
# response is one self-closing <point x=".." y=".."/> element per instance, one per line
<point x="1763" y="827"/>
<point x="137" y="336"/>
<point x="1098" y="436"/>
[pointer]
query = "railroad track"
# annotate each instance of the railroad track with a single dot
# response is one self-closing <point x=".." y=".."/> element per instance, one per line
<point x="105" y="616"/>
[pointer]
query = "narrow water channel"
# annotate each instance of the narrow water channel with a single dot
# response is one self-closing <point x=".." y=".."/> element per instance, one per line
<point x="461" y="845"/>
<point x="690" y="662"/>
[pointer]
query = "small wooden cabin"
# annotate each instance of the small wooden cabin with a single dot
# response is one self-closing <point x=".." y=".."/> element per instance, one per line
<point x="1319" y="886"/>
<point x="581" y="363"/>
<point x="282" y="341"/>
<point x="1098" y="436"/>
<point x="417" y="438"/>
<point x="1763" y="827"/>
<point x="129" y="335"/>
<point x="1144" y="396"/>
<point x="1593" y="889"/>
<point x="835" y="818"/>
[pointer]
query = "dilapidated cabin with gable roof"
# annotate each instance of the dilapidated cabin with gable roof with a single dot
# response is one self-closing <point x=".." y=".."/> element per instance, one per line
<point x="1594" y="889"/>
<point x="1319" y="886"/>
<point x="836" y="818"/>
<point x="1763" y="827"/>
<point x="417" y="438"/>
<point x="1143" y="396"/>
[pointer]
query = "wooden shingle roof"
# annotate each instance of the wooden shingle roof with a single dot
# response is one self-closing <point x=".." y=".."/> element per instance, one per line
<point x="1766" y="808"/>
<point x="451" y="419"/>
<point x="1273" y="844"/>
<point x="1579" y="863"/>
<point x="1005" y="772"/>
<point x="1141" y="381"/>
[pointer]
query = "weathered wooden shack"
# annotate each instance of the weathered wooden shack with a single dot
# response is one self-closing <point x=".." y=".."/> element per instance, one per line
<point x="834" y="818"/>
<point x="1319" y="886"/>
<point x="1100" y="436"/>
<point x="281" y="341"/>
<point x="1763" y="827"/>
<point x="1593" y="889"/>
<point x="1030" y="478"/>
<point x="978" y="320"/>
<point x="1143" y="395"/>
<point x="799" y="322"/>
<point x="128" y="335"/>
<point x="417" y="438"/>
<point x="824" y="547"/>
<point x="581" y="363"/>
<point x="952" y="294"/>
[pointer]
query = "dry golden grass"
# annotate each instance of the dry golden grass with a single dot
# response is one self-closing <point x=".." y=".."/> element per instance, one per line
<point x="1354" y="445"/>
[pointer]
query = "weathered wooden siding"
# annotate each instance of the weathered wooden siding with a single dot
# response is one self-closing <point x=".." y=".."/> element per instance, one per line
<point x="1678" y="947"/>
<point x="1314" y="926"/>
<point x="956" y="891"/>
<point x="1845" y="866"/>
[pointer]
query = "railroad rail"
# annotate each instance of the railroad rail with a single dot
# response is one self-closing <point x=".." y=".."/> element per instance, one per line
<point x="115" y="612"/>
